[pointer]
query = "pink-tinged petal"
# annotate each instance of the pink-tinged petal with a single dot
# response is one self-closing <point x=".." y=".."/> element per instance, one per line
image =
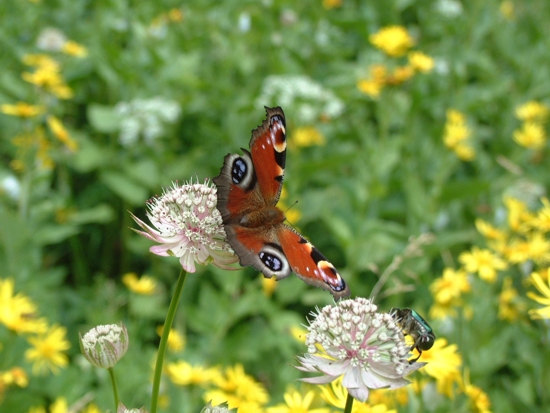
<point x="319" y="379"/>
<point x="186" y="224"/>
<point x="360" y="393"/>
<point x="350" y="339"/>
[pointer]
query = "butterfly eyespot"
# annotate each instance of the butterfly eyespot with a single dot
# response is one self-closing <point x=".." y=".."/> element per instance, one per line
<point x="238" y="171"/>
<point x="271" y="261"/>
<point x="274" y="260"/>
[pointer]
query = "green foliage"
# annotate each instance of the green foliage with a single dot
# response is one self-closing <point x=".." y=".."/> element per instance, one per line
<point x="383" y="176"/>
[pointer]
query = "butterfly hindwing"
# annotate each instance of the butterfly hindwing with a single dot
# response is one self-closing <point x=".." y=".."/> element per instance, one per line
<point x="309" y="264"/>
<point x="249" y="187"/>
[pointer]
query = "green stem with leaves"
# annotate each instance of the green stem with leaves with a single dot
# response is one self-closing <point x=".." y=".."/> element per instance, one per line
<point x="115" y="389"/>
<point x="164" y="339"/>
<point x="349" y="404"/>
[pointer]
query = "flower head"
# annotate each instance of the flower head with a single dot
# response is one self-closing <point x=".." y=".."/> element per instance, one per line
<point x="544" y="299"/>
<point x="531" y="135"/>
<point x="484" y="262"/>
<point x="295" y="402"/>
<point x="122" y="409"/>
<point x="21" y="109"/>
<point x="145" y="285"/>
<point x="393" y="40"/>
<point x="187" y="225"/>
<point x="104" y="345"/>
<point x="48" y="349"/>
<point x="220" y="408"/>
<point x="367" y="348"/>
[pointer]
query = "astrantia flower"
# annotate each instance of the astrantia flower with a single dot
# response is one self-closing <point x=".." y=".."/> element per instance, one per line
<point x="187" y="225"/>
<point x="103" y="346"/>
<point x="122" y="409"/>
<point x="221" y="408"/>
<point x="365" y="347"/>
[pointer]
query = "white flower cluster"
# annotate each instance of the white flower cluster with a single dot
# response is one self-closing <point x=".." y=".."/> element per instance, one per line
<point x="146" y="117"/>
<point x="308" y="99"/>
<point x="51" y="39"/>
<point x="104" y="345"/>
<point x="187" y="225"/>
<point x="351" y="339"/>
<point x="221" y="408"/>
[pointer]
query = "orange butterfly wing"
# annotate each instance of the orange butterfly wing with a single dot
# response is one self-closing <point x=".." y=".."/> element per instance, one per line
<point x="249" y="187"/>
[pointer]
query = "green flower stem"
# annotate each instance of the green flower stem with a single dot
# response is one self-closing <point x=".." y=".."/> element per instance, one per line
<point x="164" y="339"/>
<point x="113" y="382"/>
<point x="349" y="404"/>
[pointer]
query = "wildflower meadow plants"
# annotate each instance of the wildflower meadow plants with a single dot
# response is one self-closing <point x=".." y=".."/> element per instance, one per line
<point x="417" y="152"/>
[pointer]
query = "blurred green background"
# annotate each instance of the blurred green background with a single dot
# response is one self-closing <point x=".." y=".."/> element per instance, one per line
<point x="162" y="91"/>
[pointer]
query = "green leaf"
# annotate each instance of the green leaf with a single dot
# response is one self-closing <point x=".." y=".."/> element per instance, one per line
<point x="126" y="188"/>
<point x="103" y="118"/>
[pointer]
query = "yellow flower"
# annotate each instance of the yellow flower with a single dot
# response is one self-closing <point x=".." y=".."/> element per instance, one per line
<point x="479" y="399"/>
<point x="176" y="342"/>
<point x="450" y="286"/>
<point x="184" y="374"/>
<point x="375" y="83"/>
<point x="299" y="333"/>
<point x="544" y="289"/>
<point x="336" y="395"/>
<point x="370" y="87"/>
<point x="61" y="133"/>
<point x="91" y="408"/>
<point x="268" y="285"/>
<point x="392" y="40"/>
<point x="531" y="135"/>
<point x="17" y="312"/>
<point x="484" y="262"/>
<point x="40" y="60"/>
<point x="421" y="62"/>
<point x="47" y="75"/>
<point x="507" y="9"/>
<point x="307" y="136"/>
<point x="464" y="152"/>
<point x="541" y="221"/>
<point x="536" y="247"/>
<point x="400" y="74"/>
<point x="518" y="214"/>
<point x="175" y="15"/>
<point x="456" y="129"/>
<point x="146" y="285"/>
<point x="59" y="406"/>
<point x="443" y="365"/>
<point x="533" y="112"/>
<point x="509" y="308"/>
<point x="296" y="403"/>
<point x="74" y="49"/>
<point x="332" y="4"/>
<point x="47" y="350"/>
<point x="239" y="390"/>
<point x="489" y="231"/>
<point x="15" y="375"/>
<point x="22" y="109"/>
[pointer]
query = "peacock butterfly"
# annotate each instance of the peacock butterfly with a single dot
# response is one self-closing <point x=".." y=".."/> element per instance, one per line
<point x="249" y="187"/>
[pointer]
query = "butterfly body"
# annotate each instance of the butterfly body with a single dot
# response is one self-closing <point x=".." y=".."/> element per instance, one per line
<point x="249" y="187"/>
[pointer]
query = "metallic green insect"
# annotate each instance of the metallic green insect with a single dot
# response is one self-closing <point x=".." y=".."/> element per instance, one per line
<point x="414" y="325"/>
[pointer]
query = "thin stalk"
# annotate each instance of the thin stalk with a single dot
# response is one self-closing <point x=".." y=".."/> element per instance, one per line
<point x="349" y="404"/>
<point x="164" y="339"/>
<point x="113" y="382"/>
